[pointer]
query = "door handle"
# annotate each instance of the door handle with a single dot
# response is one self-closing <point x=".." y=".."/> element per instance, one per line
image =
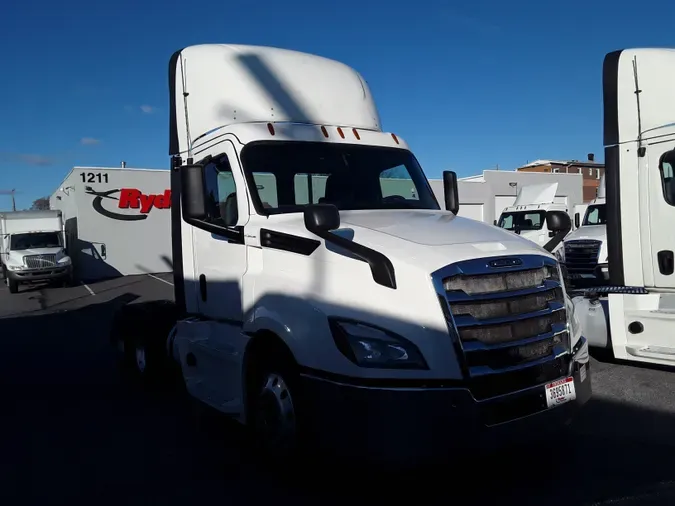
<point x="104" y="251"/>
<point x="666" y="262"/>
<point x="202" y="287"/>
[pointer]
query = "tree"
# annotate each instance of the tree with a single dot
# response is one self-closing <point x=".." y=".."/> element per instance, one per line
<point x="41" y="204"/>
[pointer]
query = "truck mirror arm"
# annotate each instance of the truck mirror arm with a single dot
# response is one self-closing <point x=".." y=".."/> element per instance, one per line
<point x="321" y="219"/>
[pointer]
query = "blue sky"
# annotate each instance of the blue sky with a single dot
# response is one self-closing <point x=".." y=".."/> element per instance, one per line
<point x="469" y="86"/>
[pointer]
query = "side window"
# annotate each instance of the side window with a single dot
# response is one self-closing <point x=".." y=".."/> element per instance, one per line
<point x="221" y="193"/>
<point x="266" y="183"/>
<point x="309" y="188"/>
<point x="667" y="169"/>
<point x="506" y="221"/>
<point x="396" y="182"/>
<point x="532" y="221"/>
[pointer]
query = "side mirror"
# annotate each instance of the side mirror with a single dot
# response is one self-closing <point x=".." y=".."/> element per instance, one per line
<point x="576" y="220"/>
<point x="321" y="218"/>
<point x="450" y="191"/>
<point x="560" y="224"/>
<point x="193" y="198"/>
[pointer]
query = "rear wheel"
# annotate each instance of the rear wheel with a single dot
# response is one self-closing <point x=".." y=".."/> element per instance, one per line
<point x="139" y="333"/>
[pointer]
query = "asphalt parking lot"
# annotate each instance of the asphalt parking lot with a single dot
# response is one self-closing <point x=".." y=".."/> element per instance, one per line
<point x="73" y="431"/>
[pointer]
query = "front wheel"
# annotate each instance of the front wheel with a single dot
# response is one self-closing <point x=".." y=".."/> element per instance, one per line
<point x="274" y="418"/>
<point x="13" y="285"/>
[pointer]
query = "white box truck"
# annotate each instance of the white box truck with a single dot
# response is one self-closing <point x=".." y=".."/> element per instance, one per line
<point x="634" y="314"/>
<point x="32" y="248"/>
<point x="367" y="321"/>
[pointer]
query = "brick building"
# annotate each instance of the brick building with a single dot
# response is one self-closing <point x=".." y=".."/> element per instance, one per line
<point x="591" y="170"/>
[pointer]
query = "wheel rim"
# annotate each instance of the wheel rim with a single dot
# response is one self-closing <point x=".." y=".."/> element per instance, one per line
<point x="275" y="414"/>
<point x="141" y="363"/>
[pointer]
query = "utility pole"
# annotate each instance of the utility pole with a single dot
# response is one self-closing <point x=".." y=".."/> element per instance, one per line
<point x="10" y="192"/>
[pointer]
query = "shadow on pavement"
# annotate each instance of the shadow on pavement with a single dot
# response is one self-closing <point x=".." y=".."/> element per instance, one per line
<point x="73" y="430"/>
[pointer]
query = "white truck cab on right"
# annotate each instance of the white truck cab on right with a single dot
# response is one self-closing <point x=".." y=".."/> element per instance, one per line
<point x="584" y="251"/>
<point x="634" y="316"/>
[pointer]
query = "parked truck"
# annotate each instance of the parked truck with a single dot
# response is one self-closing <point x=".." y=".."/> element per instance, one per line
<point x="632" y="315"/>
<point x="527" y="216"/>
<point x="32" y="248"/>
<point x="584" y="252"/>
<point x="370" y="321"/>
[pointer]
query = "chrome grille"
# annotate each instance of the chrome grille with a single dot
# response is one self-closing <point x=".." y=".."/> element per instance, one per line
<point x="509" y="323"/>
<point x="581" y="257"/>
<point x="40" y="261"/>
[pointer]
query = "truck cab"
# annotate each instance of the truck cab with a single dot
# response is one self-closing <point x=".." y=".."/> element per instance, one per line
<point x="32" y="248"/>
<point x="312" y="292"/>
<point x="584" y="251"/>
<point x="634" y="315"/>
<point x="527" y="216"/>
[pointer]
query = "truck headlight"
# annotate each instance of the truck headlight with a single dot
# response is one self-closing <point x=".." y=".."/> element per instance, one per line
<point x="15" y="267"/>
<point x="369" y="346"/>
<point x="64" y="261"/>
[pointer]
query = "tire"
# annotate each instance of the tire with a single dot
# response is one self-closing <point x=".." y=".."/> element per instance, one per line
<point x="68" y="281"/>
<point x="139" y="333"/>
<point x="3" y="272"/>
<point x="13" y="285"/>
<point x="275" y="421"/>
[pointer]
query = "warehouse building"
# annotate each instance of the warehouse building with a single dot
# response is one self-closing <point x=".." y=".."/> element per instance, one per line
<point x="116" y="221"/>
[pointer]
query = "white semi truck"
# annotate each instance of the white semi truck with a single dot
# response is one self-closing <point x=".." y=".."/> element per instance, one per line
<point x="632" y="316"/>
<point x="584" y="252"/>
<point x="32" y="248"/>
<point x="527" y="216"/>
<point x="374" y="322"/>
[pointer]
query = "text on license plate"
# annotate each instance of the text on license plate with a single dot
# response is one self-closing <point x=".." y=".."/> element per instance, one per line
<point x="559" y="392"/>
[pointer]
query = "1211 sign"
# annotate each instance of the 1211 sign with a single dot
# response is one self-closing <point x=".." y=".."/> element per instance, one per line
<point x="94" y="177"/>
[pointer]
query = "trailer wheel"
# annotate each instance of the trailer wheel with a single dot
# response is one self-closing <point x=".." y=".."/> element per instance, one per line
<point x="13" y="285"/>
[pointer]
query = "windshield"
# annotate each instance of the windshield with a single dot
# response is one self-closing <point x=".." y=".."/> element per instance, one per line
<point x="285" y="176"/>
<point x="522" y="220"/>
<point x="35" y="240"/>
<point x="595" y="215"/>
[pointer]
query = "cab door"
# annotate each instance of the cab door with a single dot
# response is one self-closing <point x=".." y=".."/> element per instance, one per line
<point x="660" y="176"/>
<point x="220" y="263"/>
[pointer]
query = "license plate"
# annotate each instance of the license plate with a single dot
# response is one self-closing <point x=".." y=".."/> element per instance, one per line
<point x="559" y="392"/>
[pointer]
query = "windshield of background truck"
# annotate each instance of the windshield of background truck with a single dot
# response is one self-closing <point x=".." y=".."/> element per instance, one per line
<point x="522" y="220"/>
<point x="595" y="215"/>
<point x="35" y="241"/>
<point x="285" y="176"/>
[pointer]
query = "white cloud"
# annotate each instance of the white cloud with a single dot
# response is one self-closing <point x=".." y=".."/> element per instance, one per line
<point x="89" y="141"/>
<point x="147" y="109"/>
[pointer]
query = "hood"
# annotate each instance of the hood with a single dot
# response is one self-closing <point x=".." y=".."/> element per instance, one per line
<point x="425" y="239"/>
<point x="595" y="232"/>
<point x="428" y="228"/>
<point x="37" y="251"/>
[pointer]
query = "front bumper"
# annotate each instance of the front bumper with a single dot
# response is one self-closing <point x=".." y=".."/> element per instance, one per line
<point x="35" y="275"/>
<point x="397" y="424"/>
<point x="600" y="274"/>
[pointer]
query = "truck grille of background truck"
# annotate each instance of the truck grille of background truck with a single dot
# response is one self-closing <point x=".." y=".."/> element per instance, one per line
<point x="509" y="324"/>
<point x="40" y="261"/>
<point x="581" y="257"/>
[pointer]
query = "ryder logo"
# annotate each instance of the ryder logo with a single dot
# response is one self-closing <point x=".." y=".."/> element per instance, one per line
<point x="129" y="198"/>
